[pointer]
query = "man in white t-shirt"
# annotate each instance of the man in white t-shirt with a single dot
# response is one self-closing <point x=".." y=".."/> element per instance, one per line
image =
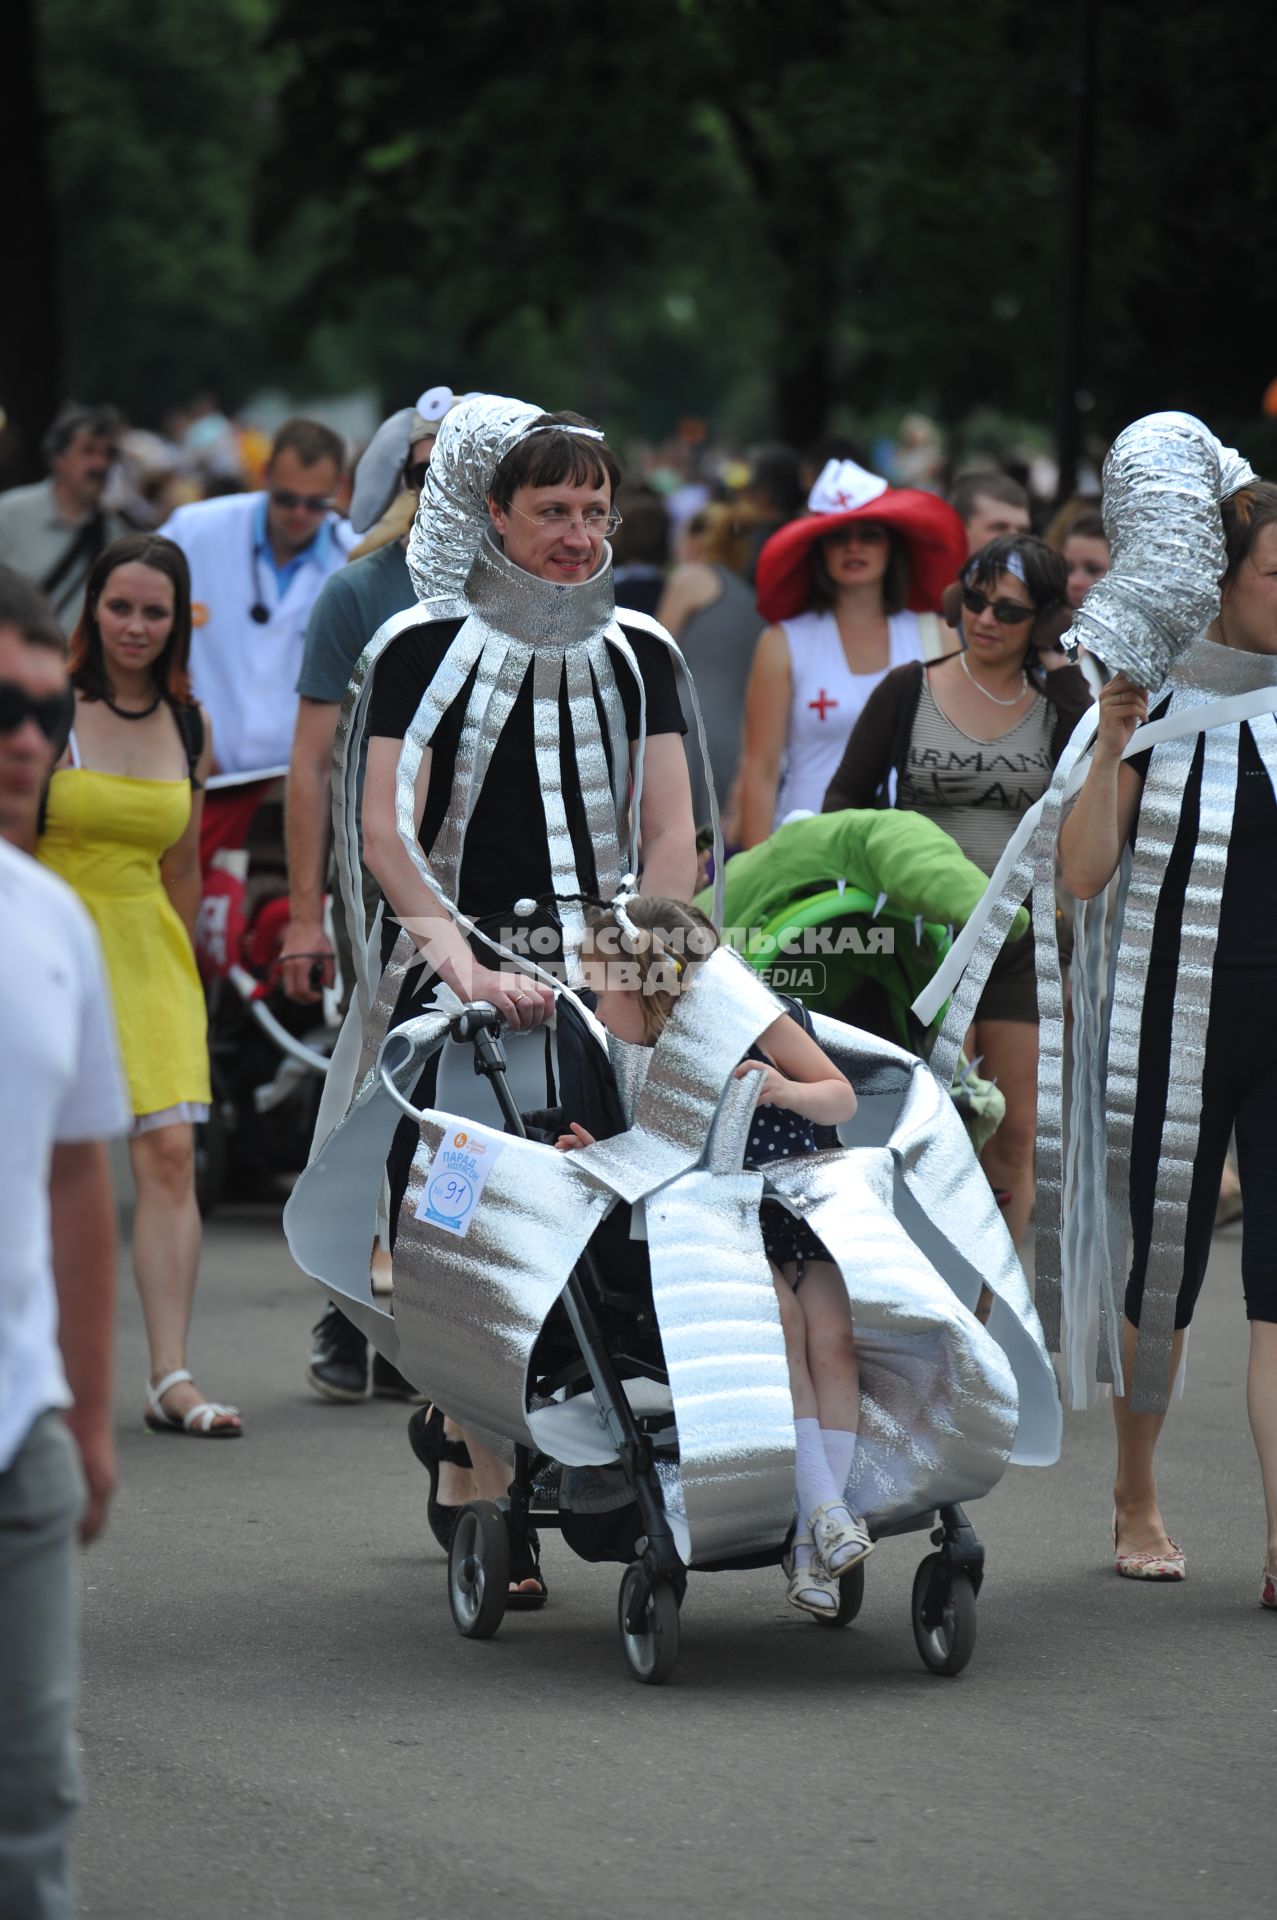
<point x="61" y="1097"/>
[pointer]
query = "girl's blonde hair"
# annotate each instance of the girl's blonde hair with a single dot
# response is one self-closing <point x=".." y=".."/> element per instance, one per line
<point x="672" y="940"/>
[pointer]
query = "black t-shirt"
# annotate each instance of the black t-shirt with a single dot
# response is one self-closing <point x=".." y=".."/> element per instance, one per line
<point x="1247" y="940"/>
<point x="505" y="856"/>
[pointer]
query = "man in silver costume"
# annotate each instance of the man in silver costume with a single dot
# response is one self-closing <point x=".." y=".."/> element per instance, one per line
<point x="1169" y="848"/>
<point x="530" y="710"/>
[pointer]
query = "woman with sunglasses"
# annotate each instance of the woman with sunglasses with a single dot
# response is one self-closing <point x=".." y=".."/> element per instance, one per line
<point x="122" y="828"/>
<point x="852" y="590"/>
<point x="971" y="742"/>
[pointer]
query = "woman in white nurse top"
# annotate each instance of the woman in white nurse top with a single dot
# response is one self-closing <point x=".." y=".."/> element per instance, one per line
<point x="852" y="590"/>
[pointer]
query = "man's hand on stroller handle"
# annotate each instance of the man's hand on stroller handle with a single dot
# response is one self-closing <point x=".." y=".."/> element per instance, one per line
<point x="576" y="1136"/>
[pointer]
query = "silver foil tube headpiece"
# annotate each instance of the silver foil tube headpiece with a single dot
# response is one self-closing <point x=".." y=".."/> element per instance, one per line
<point x="1164" y="478"/>
<point x="472" y="442"/>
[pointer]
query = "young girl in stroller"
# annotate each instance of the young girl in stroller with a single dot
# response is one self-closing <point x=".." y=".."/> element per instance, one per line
<point x="639" y="955"/>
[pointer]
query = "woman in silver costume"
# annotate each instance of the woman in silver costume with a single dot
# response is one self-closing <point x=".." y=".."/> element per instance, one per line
<point x="1239" y="1063"/>
<point x="1169" y="851"/>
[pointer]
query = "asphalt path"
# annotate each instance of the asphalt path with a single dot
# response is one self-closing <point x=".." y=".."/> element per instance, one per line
<point x="278" y="1717"/>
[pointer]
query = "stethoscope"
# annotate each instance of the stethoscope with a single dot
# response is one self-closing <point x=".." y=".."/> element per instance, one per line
<point x="259" y="612"/>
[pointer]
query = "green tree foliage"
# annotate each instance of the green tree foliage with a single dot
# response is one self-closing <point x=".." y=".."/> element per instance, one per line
<point x="156" y="117"/>
<point x="780" y="213"/>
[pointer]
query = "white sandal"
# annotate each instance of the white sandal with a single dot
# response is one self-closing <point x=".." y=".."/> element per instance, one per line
<point x="839" y="1543"/>
<point x="811" y="1589"/>
<point x="198" y="1421"/>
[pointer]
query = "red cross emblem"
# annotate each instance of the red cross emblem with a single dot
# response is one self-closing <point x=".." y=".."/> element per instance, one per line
<point x="823" y="705"/>
<point x="841" y="499"/>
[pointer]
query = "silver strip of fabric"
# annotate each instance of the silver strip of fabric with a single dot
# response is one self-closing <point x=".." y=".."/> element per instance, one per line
<point x="942" y="1200"/>
<point x="446" y="850"/>
<point x="469" y="1311"/>
<point x="644" y="623"/>
<point x="938" y="1401"/>
<point x="1181" y="1130"/>
<point x="348" y="741"/>
<point x="597" y="795"/>
<point x="618" y="742"/>
<point x="402" y="956"/>
<point x="547" y="673"/>
<point x="331" y="1217"/>
<point x="708" y="1033"/>
<point x="725" y="1356"/>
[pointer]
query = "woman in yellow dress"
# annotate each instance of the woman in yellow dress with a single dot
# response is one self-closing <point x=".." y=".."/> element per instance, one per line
<point x="122" y="828"/>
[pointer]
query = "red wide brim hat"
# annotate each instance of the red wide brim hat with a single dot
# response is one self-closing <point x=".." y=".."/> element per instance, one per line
<point x="933" y="535"/>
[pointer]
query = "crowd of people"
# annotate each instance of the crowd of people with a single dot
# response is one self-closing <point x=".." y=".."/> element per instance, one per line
<point x="856" y="644"/>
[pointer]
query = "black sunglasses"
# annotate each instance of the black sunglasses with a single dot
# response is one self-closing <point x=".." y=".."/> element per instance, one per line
<point x="51" y="714"/>
<point x="1007" y="613"/>
<point x="415" y="475"/>
<point x="313" y="502"/>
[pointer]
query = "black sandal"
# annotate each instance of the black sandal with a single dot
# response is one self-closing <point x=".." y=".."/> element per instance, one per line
<point x="432" y="1447"/>
<point x="527" y="1566"/>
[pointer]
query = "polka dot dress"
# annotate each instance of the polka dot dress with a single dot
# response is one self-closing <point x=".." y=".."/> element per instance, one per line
<point x="778" y="1133"/>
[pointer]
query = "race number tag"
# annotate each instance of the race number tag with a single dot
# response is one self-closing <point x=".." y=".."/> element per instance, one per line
<point x="456" y="1178"/>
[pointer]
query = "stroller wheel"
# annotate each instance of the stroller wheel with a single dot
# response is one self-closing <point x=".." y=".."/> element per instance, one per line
<point x="944" y="1616"/>
<point x="479" y="1570"/>
<point x="851" y="1597"/>
<point x="647" y="1619"/>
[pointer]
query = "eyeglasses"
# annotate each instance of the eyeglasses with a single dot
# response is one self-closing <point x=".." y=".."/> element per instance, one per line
<point x="595" y="520"/>
<point x="51" y="714"/>
<point x="1007" y="613"/>
<point x="315" y="503"/>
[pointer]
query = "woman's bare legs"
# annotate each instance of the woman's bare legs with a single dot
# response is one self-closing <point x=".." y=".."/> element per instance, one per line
<point x="1009" y="1055"/>
<point x="1261" y="1405"/>
<point x="166" y="1253"/>
<point x="1140" y="1528"/>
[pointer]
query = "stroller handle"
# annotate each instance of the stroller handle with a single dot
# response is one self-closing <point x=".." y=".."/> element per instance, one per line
<point x="476" y="1018"/>
<point x="481" y="1025"/>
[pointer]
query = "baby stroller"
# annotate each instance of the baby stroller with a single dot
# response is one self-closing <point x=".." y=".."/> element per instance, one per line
<point x="521" y="1308"/>
<point x="267" y="1054"/>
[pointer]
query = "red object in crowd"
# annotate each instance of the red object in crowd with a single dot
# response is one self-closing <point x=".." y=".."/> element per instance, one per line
<point x="228" y="818"/>
<point x="933" y="535"/>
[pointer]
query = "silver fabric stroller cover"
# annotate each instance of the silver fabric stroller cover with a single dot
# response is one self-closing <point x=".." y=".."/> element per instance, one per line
<point x="904" y="1209"/>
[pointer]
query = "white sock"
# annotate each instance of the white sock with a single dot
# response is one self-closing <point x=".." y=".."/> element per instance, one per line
<point x="840" y="1452"/>
<point x="814" y="1482"/>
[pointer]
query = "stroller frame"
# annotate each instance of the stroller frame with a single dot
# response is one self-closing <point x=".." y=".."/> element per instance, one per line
<point x="490" y="1536"/>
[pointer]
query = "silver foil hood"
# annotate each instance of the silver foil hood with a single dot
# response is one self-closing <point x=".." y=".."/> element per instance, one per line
<point x="1164" y="478"/>
<point x="473" y="440"/>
